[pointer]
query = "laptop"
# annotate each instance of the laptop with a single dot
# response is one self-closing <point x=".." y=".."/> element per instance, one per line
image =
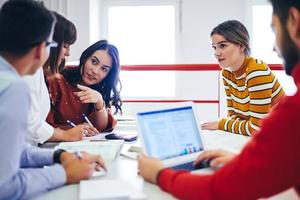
<point x="172" y="135"/>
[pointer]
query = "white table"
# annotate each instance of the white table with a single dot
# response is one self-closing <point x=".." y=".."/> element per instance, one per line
<point x="126" y="169"/>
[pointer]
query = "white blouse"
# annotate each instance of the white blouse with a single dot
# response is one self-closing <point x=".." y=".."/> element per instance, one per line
<point x="39" y="130"/>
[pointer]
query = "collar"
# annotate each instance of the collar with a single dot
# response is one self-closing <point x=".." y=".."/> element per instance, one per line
<point x="243" y="67"/>
<point x="6" y="66"/>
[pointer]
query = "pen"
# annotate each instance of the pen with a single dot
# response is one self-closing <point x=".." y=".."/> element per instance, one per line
<point x="78" y="155"/>
<point x="87" y="120"/>
<point x="71" y="123"/>
<point x="99" y="140"/>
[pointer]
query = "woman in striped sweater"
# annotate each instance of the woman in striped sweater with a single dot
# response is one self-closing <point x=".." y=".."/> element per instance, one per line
<point x="251" y="88"/>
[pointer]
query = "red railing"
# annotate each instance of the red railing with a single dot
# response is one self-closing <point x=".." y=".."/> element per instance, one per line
<point x="179" y="67"/>
<point x="183" y="67"/>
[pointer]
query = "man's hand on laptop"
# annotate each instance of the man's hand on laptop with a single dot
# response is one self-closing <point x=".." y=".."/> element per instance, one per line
<point x="149" y="168"/>
<point x="216" y="158"/>
<point x="210" y="125"/>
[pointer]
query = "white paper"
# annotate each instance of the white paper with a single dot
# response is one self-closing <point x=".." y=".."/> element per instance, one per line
<point x="100" y="173"/>
<point x="108" y="189"/>
<point x="100" y="136"/>
<point x="109" y="150"/>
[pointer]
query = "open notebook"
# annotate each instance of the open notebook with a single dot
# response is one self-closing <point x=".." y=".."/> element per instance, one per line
<point x="109" y="189"/>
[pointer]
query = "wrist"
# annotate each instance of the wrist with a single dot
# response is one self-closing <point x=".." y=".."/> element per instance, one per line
<point x="100" y="106"/>
<point x="59" y="135"/>
<point x="158" y="175"/>
<point x="65" y="156"/>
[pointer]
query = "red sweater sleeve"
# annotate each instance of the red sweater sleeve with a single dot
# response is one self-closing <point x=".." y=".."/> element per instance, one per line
<point x="269" y="164"/>
<point x="112" y="122"/>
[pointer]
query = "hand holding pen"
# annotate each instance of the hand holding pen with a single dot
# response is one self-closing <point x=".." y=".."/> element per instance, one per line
<point x="96" y="160"/>
<point x="87" y="128"/>
<point x="84" y="132"/>
<point x="80" y="165"/>
<point x="92" y="130"/>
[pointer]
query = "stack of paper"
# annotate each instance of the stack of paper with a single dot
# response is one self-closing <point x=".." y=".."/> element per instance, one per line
<point x="108" y="189"/>
<point x="109" y="150"/>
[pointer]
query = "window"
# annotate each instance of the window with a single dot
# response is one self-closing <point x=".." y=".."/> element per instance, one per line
<point x="148" y="84"/>
<point x="145" y="33"/>
<point x="263" y="38"/>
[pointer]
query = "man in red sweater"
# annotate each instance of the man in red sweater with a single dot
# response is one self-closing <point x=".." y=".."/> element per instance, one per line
<point x="270" y="162"/>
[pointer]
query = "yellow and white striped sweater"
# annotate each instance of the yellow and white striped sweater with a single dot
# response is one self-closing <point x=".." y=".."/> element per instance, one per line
<point x="251" y="91"/>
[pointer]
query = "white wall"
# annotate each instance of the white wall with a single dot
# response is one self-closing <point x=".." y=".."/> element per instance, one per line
<point x="198" y="17"/>
<point x="78" y="13"/>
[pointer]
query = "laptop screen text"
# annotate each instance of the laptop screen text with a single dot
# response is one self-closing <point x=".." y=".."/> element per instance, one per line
<point x="170" y="133"/>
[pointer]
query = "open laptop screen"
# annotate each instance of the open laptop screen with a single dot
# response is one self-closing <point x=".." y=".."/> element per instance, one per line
<point x="170" y="133"/>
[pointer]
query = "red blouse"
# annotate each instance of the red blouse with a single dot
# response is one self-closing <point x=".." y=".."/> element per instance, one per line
<point x="66" y="106"/>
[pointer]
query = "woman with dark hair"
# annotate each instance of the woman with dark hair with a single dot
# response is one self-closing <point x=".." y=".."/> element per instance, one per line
<point x="251" y="87"/>
<point x="89" y="89"/>
<point x="39" y="130"/>
<point x="65" y="35"/>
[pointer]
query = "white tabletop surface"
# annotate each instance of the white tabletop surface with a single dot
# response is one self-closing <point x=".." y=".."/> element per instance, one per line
<point x="126" y="169"/>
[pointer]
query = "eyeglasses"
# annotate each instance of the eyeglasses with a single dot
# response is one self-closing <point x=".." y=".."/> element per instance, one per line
<point x="51" y="44"/>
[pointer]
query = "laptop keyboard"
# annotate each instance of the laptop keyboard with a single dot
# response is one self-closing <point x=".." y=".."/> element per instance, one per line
<point x="185" y="166"/>
<point x="190" y="167"/>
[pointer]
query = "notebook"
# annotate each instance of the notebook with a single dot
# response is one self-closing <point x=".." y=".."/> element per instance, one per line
<point x="109" y="189"/>
<point x="172" y="135"/>
<point x="109" y="150"/>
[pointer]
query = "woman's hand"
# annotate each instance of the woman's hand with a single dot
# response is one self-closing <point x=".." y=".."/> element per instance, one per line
<point x="210" y="125"/>
<point x="74" y="134"/>
<point x="88" y="95"/>
<point x="149" y="167"/>
<point x="78" y="132"/>
<point x="89" y="130"/>
<point x="215" y="157"/>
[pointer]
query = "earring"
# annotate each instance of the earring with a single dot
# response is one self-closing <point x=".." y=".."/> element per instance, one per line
<point x="81" y="71"/>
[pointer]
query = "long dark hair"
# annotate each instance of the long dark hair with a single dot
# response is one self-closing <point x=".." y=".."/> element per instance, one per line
<point x="64" y="33"/>
<point x="108" y="87"/>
